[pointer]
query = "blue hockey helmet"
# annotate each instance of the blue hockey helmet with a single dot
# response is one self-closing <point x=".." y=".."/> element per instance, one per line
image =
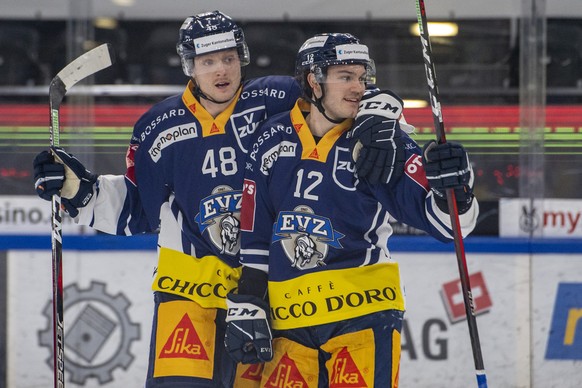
<point x="324" y="50"/>
<point x="207" y="33"/>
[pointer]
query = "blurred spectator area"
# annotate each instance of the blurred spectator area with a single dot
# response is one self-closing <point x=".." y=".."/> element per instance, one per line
<point x="482" y="61"/>
<point x="19" y="56"/>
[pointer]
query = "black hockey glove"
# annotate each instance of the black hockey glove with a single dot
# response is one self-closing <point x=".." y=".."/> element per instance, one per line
<point x="48" y="175"/>
<point x="376" y="139"/>
<point x="248" y="336"/>
<point x="76" y="186"/>
<point x="447" y="166"/>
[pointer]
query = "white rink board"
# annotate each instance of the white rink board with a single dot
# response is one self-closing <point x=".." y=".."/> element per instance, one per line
<point x="436" y="352"/>
<point x="126" y="274"/>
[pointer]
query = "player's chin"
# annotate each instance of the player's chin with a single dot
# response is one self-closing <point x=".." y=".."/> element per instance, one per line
<point x="224" y="94"/>
<point x="350" y="110"/>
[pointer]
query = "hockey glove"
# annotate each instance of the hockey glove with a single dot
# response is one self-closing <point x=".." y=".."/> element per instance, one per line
<point x="48" y="175"/>
<point x="376" y="141"/>
<point x="77" y="189"/>
<point x="248" y="336"/>
<point x="447" y="166"/>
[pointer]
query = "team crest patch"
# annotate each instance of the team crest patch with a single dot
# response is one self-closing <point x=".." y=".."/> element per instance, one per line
<point x="344" y="169"/>
<point x="245" y="123"/>
<point x="219" y="215"/>
<point x="305" y="237"/>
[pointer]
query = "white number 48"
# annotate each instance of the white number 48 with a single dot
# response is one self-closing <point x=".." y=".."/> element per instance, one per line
<point x="226" y="162"/>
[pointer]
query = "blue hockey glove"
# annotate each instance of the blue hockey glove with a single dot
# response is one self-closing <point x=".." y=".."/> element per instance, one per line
<point x="48" y="175"/>
<point x="77" y="189"/>
<point x="447" y="166"/>
<point x="248" y="336"/>
<point x="376" y="138"/>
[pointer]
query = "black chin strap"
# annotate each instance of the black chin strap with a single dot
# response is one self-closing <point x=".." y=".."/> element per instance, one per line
<point x="318" y="102"/>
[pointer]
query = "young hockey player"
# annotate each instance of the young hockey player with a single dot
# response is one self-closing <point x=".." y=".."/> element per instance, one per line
<point x="316" y="262"/>
<point x="185" y="166"/>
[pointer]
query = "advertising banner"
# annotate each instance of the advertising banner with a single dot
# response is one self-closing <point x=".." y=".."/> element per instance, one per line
<point x="28" y="214"/>
<point x="529" y="316"/>
<point x="554" y="218"/>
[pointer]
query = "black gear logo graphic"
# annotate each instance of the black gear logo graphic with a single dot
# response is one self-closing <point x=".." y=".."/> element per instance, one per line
<point x="99" y="335"/>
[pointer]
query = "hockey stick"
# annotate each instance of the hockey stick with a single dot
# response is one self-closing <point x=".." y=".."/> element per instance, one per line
<point x="451" y="201"/>
<point x="85" y="65"/>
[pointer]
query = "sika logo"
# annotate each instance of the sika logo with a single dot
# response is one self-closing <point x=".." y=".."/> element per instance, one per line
<point x="184" y="342"/>
<point x="253" y="372"/>
<point x="314" y="154"/>
<point x="345" y="372"/>
<point x="286" y="374"/>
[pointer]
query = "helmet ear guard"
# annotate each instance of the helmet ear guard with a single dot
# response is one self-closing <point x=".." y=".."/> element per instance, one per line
<point x="207" y="33"/>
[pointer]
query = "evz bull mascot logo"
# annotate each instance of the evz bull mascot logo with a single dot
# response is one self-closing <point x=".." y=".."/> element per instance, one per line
<point x="305" y="249"/>
<point x="219" y="216"/>
<point x="305" y="237"/>
<point x="230" y="231"/>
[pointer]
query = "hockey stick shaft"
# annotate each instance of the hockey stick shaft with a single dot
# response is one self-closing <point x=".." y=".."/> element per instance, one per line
<point x="451" y="200"/>
<point x="85" y="65"/>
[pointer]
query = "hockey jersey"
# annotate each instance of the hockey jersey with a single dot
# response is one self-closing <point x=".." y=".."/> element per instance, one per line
<point x="322" y="234"/>
<point x="184" y="179"/>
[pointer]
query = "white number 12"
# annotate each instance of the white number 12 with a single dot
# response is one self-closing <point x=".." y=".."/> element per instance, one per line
<point x="314" y="176"/>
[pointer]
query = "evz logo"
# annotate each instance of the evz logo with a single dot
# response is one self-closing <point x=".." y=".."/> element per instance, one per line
<point x="305" y="237"/>
<point x="219" y="213"/>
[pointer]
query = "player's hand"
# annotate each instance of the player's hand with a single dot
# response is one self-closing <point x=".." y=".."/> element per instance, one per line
<point x="248" y="336"/>
<point x="376" y="139"/>
<point x="60" y="172"/>
<point x="49" y="175"/>
<point x="447" y="166"/>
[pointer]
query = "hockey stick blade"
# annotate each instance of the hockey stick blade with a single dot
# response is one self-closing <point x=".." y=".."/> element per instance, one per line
<point x="85" y="65"/>
<point x="91" y="62"/>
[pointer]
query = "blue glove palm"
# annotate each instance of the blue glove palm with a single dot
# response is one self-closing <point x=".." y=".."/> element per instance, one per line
<point x="248" y="337"/>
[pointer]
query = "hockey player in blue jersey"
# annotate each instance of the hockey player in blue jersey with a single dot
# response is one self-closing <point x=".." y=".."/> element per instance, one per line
<point x="185" y="166"/>
<point x="317" y="267"/>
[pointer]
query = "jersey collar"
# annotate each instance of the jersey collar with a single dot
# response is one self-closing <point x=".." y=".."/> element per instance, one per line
<point x="210" y="125"/>
<point x="311" y="150"/>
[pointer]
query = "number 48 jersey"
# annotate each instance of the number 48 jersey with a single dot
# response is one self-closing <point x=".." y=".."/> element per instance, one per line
<point x="185" y="171"/>
<point x="319" y="232"/>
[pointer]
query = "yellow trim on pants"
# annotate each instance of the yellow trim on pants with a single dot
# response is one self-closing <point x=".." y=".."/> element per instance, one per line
<point x="330" y="296"/>
<point x="206" y="280"/>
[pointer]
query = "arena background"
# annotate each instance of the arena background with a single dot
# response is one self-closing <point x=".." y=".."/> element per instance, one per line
<point x="511" y="88"/>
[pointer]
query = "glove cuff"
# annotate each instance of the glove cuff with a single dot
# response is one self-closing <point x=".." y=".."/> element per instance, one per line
<point x="253" y="282"/>
<point x="464" y="201"/>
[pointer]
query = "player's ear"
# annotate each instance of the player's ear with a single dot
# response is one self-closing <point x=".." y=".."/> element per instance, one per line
<point x="314" y="85"/>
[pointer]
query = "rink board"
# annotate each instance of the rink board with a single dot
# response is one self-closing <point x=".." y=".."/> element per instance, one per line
<point x="530" y="336"/>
